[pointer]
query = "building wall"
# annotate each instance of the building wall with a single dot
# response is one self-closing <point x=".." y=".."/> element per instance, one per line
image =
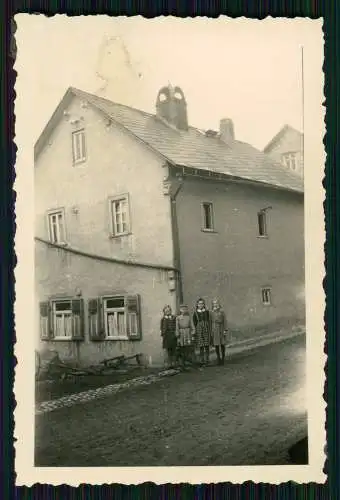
<point x="59" y="273"/>
<point x="233" y="263"/>
<point x="116" y="164"/>
<point x="290" y="142"/>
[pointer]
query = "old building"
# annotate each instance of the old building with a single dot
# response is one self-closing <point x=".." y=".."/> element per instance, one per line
<point x="135" y="211"/>
<point x="286" y="148"/>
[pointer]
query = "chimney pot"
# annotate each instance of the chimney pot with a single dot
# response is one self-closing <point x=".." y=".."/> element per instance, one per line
<point x="227" y="133"/>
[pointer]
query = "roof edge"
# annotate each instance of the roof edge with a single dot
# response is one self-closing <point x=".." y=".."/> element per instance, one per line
<point x="276" y="137"/>
<point x="40" y="142"/>
<point x="214" y="176"/>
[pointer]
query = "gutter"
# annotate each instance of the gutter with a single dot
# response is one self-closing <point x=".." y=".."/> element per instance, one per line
<point x="175" y="239"/>
<point x="105" y="259"/>
<point x="200" y="173"/>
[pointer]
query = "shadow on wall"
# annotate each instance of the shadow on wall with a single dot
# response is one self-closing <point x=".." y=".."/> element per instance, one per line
<point x="280" y="325"/>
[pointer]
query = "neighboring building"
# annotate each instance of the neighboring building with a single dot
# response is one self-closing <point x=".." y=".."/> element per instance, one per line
<point x="287" y="148"/>
<point x="135" y="211"/>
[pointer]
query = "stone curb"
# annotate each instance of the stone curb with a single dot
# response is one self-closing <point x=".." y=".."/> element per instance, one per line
<point x="90" y="395"/>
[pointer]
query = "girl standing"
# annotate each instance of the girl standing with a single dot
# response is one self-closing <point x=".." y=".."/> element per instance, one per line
<point x="202" y="324"/>
<point x="185" y="334"/>
<point x="168" y="333"/>
<point x="218" y="330"/>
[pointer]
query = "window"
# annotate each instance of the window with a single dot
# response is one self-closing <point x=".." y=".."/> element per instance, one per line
<point x="208" y="216"/>
<point x="56" y="223"/>
<point x="262" y="223"/>
<point x="266" y="296"/>
<point x="78" y="146"/>
<point x="62" y="319"/>
<point x="115" y="318"/>
<point x="120" y="220"/>
<point x="289" y="160"/>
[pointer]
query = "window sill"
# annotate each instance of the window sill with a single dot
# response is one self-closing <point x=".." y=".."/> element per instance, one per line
<point x="117" y="236"/>
<point x="62" y="339"/>
<point x="116" y="338"/>
<point x="262" y="236"/>
<point x="79" y="162"/>
<point x="209" y="231"/>
<point x="60" y="244"/>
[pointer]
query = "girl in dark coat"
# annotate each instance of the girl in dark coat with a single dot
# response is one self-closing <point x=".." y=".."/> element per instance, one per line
<point x="168" y="333"/>
<point x="202" y="324"/>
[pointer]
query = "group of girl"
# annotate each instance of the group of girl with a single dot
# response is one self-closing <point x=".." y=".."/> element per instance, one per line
<point x="182" y="334"/>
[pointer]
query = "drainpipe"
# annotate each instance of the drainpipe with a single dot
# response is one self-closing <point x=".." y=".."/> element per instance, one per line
<point x="175" y="238"/>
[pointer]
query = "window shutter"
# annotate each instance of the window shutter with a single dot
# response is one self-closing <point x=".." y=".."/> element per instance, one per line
<point x="133" y="317"/>
<point x="96" y="324"/>
<point x="77" y="319"/>
<point x="46" y="332"/>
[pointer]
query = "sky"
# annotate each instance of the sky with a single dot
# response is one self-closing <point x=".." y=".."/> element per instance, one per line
<point x="246" y="70"/>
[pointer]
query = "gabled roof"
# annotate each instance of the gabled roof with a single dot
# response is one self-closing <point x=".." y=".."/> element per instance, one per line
<point x="278" y="136"/>
<point x="191" y="148"/>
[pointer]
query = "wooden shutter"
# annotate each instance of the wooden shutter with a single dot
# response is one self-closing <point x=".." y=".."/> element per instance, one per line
<point x="46" y="332"/>
<point x="133" y="317"/>
<point x="96" y="323"/>
<point x="77" y="319"/>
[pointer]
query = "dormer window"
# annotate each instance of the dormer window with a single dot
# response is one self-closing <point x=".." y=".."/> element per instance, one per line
<point x="289" y="160"/>
<point x="78" y="146"/>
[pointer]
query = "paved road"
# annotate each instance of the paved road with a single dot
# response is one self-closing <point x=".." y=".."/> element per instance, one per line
<point x="247" y="412"/>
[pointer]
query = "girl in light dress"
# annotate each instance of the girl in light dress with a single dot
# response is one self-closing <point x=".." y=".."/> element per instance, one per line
<point x="185" y="334"/>
<point x="218" y="330"/>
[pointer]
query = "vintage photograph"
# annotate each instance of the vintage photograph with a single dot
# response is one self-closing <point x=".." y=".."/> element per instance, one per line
<point x="169" y="239"/>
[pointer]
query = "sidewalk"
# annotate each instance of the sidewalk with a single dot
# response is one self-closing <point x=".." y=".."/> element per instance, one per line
<point x="89" y="395"/>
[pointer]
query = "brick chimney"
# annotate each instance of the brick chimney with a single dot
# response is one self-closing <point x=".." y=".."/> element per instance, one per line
<point x="227" y="130"/>
<point x="171" y="106"/>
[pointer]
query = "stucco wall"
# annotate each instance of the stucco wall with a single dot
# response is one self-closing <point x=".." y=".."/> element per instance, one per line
<point x="59" y="273"/>
<point x="233" y="263"/>
<point x="116" y="164"/>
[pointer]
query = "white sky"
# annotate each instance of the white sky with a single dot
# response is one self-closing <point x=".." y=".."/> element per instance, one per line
<point x="247" y="70"/>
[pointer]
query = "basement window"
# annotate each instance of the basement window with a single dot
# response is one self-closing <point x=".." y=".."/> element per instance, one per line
<point x="266" y="296"/>
<point x="207" y="216"/>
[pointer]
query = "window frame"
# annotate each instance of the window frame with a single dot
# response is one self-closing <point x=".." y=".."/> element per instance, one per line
<point x="266" y="293"/>
<point x="53" y="311"/>
<point x="48" y="316"/>
<point x="82" y="146"/>
<point x="288" y="159"/>
<point x="104" y="299"/>
<point x="50" y="214"/>
<point x="113" y="224"/>
<point x="212" y="216"/>
<point x="262" y="214"/>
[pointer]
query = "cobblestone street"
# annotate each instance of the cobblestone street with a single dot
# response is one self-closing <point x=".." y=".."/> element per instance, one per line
<point x="247" y="412"/>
